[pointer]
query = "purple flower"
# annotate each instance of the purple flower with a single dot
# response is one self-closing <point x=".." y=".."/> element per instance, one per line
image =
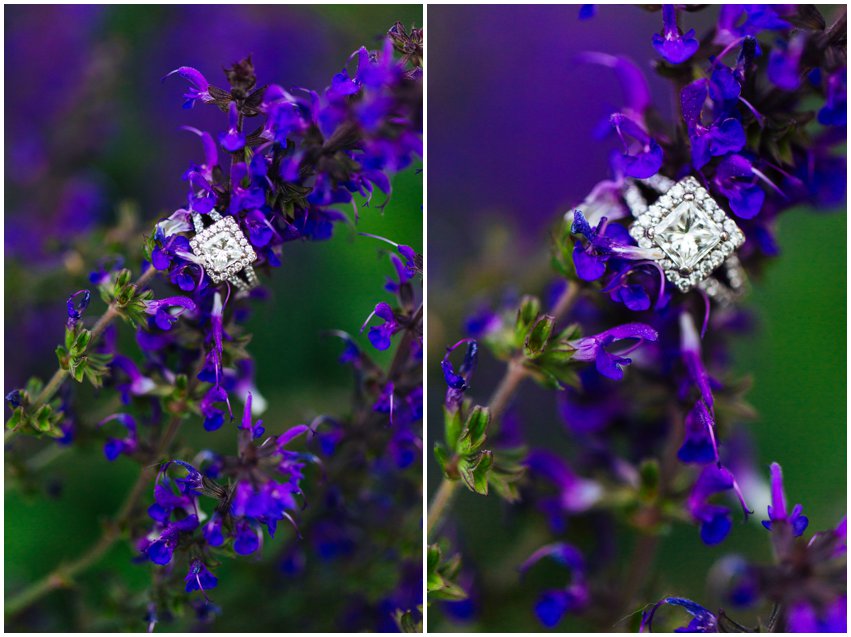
<point x="232" y="140"/>
<point x="553" y="604"/>
<point x="642" y="156"/>
<point x="136" y="384"/>
<point x="255" y="429"/>
<point x="702" y="620"/>
<point x="380" y="335"/>
<point x="605" y="241"/>
<point x="76" y="305"/>
<point x="200" y="89"/>
<point x="573" y="494"/>
<point x="804" y="617"/>
<point x="587" y="11"/>
<point x="246" y="538"/>
<point x="757" y="18"/>
<point x="723" y="135"/>
<point x="458" y="382"/>
<point x="714" y="520"/>
<point x="736" y="178"/>
<point x="700" y="445"/>
<point x="635" y="88"/>
<point x="835" y="109"/>
<point x="672" y="45"/>
<point x="199" y="578"/>
<point x="114" y="447"/>
<point x="167" y="311"/>
<point x="778" y="516"/>
<point x="594" y="348"/>
<point x="212" y="531"/>
<point x="784" y="63"/>
<point x="161" y="550"/>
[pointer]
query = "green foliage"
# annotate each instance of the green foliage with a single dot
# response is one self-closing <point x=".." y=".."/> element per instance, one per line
<point x="121" y="292"/>
<point x="75" y="358"/>
<point x="406" y="621"/>
<point x="35" y="419"/>
<point x="562" y="251"/>
<point x="441" y="576"/>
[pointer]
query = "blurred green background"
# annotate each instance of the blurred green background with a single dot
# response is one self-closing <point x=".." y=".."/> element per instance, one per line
<point x="321" y="286"/>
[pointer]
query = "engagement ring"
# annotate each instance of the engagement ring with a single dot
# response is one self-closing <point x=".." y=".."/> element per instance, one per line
<point x="224" y="251"/>
<point x="694" y="233"/>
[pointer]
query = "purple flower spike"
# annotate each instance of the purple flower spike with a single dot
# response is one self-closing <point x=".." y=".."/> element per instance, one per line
<point x="777" y="513"/>
<point x="199" y="578"/>
<point x="233" y="139"/>
<point x="593" y="348"/>
<point x="200" y="86"/>
<point x="76" y="305"/>
<point x="672" y="45"/>
<point x="642" y="156"/>
<point x="703" y="621"/>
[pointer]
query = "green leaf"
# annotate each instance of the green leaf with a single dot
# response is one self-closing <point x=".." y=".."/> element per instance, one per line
<point x="649" y="477"/>
<point x="474" y="471"/>
<point x="527" y="314"/>
<point x="475" y="431"/>
<point x="442" y="457"/>
<point x="538" y="337"/>
<point x="452" y="426"/>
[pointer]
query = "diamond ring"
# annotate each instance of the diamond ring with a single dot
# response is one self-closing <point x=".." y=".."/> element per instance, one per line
<point x="224" y="251"/>
<point x="694" y="233"/>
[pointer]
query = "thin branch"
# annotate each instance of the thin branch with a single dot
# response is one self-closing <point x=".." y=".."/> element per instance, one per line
<point x="60" y="375"/>
<point x="511" y="381"/>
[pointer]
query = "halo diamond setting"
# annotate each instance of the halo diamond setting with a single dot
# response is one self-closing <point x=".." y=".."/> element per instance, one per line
<point x="693" y="231"/>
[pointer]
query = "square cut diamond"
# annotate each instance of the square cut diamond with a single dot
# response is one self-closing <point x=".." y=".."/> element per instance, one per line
<point x="687" y="234"/>
<point x="223" y="249"/>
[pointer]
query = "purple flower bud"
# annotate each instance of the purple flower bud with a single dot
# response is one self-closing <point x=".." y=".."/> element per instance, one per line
<point x="702" y="621"/>
<point x="777" y="513"/>
<point x="76" y="305"/>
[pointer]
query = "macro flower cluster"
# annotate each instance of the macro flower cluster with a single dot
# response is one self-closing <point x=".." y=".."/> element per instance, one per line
<point x="657" y="421"/>
<point x="281" y="168"/>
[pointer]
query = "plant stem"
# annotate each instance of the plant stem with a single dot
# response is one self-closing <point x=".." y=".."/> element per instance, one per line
<point x="60" y="375"/>
<point x="514" y="376"/>
<point x="62" y="576"/>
